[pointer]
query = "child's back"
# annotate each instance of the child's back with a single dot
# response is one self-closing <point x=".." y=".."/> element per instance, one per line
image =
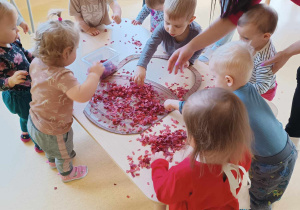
<point x="201" y="187"/>
<point x="270" y="137"/>
<point x="219" y="132"/>
<point x="51" y="109"/>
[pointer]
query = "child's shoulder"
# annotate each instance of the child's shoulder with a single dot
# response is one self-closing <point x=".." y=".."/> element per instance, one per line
<point x="195" y="27"/>
<point x="267" y="52"/>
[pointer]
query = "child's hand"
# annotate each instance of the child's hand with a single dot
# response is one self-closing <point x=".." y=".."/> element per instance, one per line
<point x="158" y="155"/>
<point x="116" y="18"/>
<point x="97" y="68"/>
<point x="93" y="31"/>
<point x="135" y="22"/>
<point x="25" y="27"/>
<point x="139" y="76"/>
<point x="17" y="78"/>
<point x="171" y="104"/>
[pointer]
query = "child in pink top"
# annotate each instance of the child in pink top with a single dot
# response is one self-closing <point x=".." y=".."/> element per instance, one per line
<point x="54" y="88"/>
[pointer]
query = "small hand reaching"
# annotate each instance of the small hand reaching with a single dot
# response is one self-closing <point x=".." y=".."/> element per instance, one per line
<point x="17" y="78"/>
<point x="135" y="22"/>
<point x="139" y="76"/>
<point x="97" y="69"/>
<point x="117" y="18"/>
<point x="171" y="104"/>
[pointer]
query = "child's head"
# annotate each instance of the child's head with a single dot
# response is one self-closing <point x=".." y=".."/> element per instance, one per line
<point x="178" y="14"/>
<point x="155" y="4"/>
<point x="56" y="41"/>
<point x="232" y="65"/>
<point x="257" y="25"/>
<point x="217" y="125"/>
<point x="8" y="23"/>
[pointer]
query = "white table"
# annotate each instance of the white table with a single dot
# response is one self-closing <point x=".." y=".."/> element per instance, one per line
<point x="119" y="146"/>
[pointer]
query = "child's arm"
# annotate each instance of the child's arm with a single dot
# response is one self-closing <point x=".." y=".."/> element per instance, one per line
<point x="171" y="185"/>
<point x="84" y="92"/>
<point x="147" y="54"/>
<point x="22" y="24"/>
<point x="171" y="104"/>
<point x="141" y="16"/>
<point x="115" y="7"/>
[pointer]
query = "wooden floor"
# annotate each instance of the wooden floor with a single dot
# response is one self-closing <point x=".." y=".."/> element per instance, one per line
<point x="28" y="183"/>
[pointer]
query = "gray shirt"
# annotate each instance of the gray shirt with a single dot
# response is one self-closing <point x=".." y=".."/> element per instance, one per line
<point x="93" y="12"/>
<point x="160" y="35"/>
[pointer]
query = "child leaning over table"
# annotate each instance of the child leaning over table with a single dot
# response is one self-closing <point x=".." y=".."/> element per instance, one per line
<point x="210" y="177"/>
<point x="274" y="153"/>
<point x="153" y="7"/>
<point x="54" y="88"/>
<point x="176" y="31"/>
<point x="92" y="13"/>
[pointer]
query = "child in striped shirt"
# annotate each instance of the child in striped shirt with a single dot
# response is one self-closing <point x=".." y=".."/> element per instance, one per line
<point x="256" y="27"/>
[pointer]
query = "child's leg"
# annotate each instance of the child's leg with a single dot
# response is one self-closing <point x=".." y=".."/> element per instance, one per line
<point x="66" y="153"/>
<point x="269" y="181"/>
<point x="293" y="126"/>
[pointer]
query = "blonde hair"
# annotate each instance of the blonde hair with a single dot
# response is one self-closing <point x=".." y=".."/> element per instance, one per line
<point x="264" y="17"/>
<point x="180" y="8"/>
<point x="6" y="8"/>
<point x="235" y="59"/>
<point x="53" y="37"/>
<point x="217" y="122"/>
<point x="153" y="3"/>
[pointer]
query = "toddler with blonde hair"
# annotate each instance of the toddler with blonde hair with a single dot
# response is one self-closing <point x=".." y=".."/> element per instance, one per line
<point x="274" y="153"/>
<point x="210" y="177"/>
<point x="176" y="31"/>
<point x="14" y="69"/>
<point x="54" y="88"/>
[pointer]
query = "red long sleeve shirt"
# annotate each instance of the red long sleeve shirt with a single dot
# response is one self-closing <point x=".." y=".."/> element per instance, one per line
<point x="183" y="187"/>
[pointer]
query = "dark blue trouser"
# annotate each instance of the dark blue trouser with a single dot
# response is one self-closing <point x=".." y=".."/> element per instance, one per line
<point x="270" y="177"/>
<point x="293" y="126"/>
<point x="17" y="102"/>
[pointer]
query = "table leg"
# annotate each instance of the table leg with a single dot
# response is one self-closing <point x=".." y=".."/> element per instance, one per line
<point x="30" y="15"/>
<point x="160" y="206"/>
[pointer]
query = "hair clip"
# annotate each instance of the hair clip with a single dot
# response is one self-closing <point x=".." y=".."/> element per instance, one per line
<point x="59" y="19"/>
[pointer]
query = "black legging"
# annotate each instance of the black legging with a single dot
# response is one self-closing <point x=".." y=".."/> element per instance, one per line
<point x="293" y="127"/>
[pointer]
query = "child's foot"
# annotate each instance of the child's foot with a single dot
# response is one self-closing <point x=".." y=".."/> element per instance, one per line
<point x="37" y="149"/>
<point x="25" y="138"/>
<point x="78" y="172"/>
<point x="52" y="165"/>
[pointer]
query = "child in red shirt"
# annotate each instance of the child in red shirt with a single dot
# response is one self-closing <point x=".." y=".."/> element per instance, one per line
<point x="219" y="132"/>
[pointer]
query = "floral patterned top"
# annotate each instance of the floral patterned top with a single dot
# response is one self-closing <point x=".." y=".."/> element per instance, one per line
<point x="156" y="16"/>
<point x="13" y="59"/>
